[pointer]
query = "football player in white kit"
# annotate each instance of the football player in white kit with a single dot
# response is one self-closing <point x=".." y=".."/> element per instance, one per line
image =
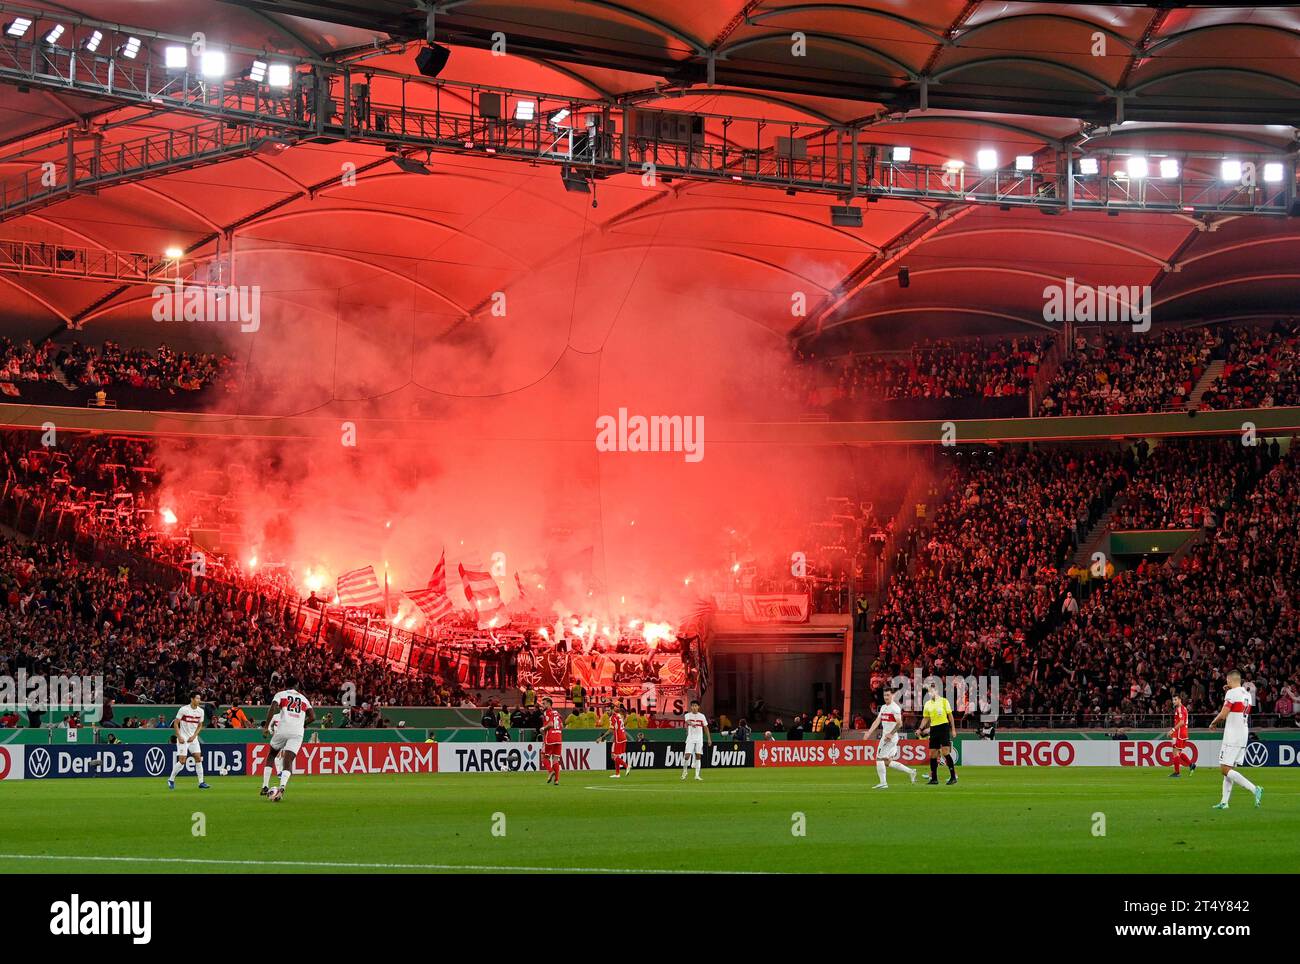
<point x="890" y="721"/>
<point x="187" y="726"/>
<point x="1235" y="715"/>
<point x="292" y="712"/>
<point x="697" y="728"/>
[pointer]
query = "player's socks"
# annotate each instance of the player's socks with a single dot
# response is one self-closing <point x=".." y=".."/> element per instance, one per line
<point x="947" y="761"/>
<point x="284" y="778"/>
<point x="895" y="765"/>
<point x="934" y="770"/>
<point x="880" y="772"/>
<point x="1227" y="790"/>
<point x="266" y="776"/>
<point x="198" y="768"/>
<point x="177" y="767"/>
<point x="1241" y="781"/>
<point x="697" y="768"/>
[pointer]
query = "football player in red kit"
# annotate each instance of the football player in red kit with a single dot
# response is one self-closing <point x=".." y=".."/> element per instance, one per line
<point x="618" y="731"/>
<point x="1178" y="733"/>
<point x="552" y="740"/>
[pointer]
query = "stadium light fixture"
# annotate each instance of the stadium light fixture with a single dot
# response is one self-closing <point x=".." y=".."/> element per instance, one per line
<point x="525" y="110"/>
<point x="54" y="34"/>
<point x="987" y="159"/>
<point x="1089" y="165"/>
<point x="1230" y="170"/>
<point x="91" y="43"/>
<point x="257" y="72"/>
<point x="1273" y="172"/>
<point x="130" y="48"/>
<point x="1169" y="167"/>
<point x="559" y="117"/>
<point x="1024" y="162"/>
<point x="18" y="26"/>
<point x="174" y="253"/>
<point x="279" y="75"/>
<point x="213" y="63"/>
<point x="901" y="154"/>
<point x="176" y="57"/>
<point x="1138" y="167"/>
<point x="846" y="216"/>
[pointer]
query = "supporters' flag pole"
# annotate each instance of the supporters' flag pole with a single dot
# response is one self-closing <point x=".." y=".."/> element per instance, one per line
<point x="519" y="584"/>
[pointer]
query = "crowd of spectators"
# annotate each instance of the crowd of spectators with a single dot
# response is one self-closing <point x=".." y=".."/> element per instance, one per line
<point x="1110" y="374"/>
<point x="1158" y="628"/>
<point x="157" y="644"/>
<point x="987" y="570"/>
<point x="77" y="365"/>
<point x="974" y="368"/>
<point x="1261" y="369"/>
<point x="1186" y="483"/>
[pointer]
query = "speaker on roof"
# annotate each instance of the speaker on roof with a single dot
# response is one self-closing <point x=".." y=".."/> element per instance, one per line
<point x="431" y="59"/>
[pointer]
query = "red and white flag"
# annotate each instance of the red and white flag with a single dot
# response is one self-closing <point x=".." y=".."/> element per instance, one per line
<point x="360" y="587"/>
<point x="433" y="605"/>
<point x="484" y="595"/>
<point x="433" y="601"/>
<point x="438" y="581"/>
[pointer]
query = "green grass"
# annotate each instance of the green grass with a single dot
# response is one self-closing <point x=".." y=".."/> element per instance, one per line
<point x="996" y="820"/>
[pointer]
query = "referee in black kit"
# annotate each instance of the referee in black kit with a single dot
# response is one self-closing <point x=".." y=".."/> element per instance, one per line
<point x="936" y="719"/>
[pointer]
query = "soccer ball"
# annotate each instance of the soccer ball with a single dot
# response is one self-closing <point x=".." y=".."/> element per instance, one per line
<point x="275" y="795"/>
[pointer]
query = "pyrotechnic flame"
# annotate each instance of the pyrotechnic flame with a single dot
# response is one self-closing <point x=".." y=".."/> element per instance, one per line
<point x="655" y="633"/>
<point x="168" y="517"/>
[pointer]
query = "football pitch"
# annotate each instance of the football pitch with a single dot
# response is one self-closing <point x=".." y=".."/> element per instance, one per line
<point x="795" y="820"/>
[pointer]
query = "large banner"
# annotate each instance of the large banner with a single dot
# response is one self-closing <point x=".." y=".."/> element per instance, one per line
<point x="515" y="757"/>
<point x="11" y="762"/>
<point x="721" y="755"/>
<point x="126" y="760"/>
<point x="775" y="607"/>
<point x="1112" y="753"/>
<point x="328" y="759"/>
<point x="551" y="669"/>
<point x="814" y="753"/>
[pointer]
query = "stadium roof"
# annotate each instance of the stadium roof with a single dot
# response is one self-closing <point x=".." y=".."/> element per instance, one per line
<point x="947" y="78"/>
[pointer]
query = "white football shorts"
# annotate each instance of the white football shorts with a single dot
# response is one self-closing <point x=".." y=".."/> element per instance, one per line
<point x="1230" y="754"/>
<point x="281" y="740"/>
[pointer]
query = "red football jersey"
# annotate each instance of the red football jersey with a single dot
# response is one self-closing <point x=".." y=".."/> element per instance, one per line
<point x="552" y="725"/>
<point x="618" y="726"/>
<point x="1180" y="723"/>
